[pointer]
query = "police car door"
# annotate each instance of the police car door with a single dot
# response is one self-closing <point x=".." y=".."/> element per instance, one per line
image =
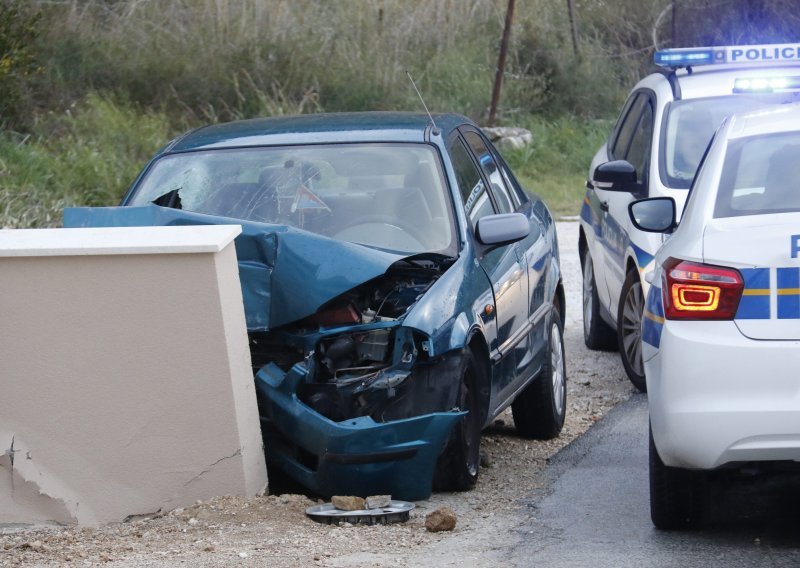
<point x="633" y="144"/>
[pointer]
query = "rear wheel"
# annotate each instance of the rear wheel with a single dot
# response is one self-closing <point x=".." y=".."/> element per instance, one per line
<point x="674" y="500"/>
<point x="540" y="409"/>
<point x="629" y="329"/>
<point x="597" y="334"/>
<point x="457" y="468"/>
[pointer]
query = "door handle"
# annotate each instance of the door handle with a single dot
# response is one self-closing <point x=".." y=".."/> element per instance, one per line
<point x="604" y="206"/>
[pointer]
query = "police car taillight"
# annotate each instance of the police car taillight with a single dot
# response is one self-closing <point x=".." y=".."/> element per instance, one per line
<point x="700" y="291"/>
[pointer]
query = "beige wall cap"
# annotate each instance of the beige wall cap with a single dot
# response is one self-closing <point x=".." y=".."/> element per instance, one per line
<point x="117" y="240"/>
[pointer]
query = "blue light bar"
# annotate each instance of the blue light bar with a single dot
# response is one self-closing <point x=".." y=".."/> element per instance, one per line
<point x="731" y="54"/>
<point x="684" y="57"/>
<point x="765" y="84"/>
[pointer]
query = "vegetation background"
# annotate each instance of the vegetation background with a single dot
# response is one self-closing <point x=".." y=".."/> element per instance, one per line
<point x="90" y="89"/>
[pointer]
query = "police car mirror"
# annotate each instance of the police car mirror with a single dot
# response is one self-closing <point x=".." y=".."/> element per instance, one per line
<point x="654" y="215"/>
<point x="502" y="229"/>
<point x="617" y="175"/>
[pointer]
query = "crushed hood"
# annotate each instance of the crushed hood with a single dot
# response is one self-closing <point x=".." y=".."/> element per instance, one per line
<point x="286" y="274"/>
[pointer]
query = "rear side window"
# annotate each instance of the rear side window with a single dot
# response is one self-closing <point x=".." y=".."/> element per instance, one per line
<point x="760" y="176"/>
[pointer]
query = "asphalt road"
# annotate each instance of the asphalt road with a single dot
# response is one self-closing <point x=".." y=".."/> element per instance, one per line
<point x="595" y="510"/>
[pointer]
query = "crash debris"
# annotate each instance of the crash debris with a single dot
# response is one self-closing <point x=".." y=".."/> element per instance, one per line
<point x="376" y="509"/>
<point x="442" y="519"/>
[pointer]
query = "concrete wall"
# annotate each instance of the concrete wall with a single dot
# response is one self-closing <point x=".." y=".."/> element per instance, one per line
<point x="125" y="380"/>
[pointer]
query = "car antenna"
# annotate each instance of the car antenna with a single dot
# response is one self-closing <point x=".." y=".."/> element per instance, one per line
<point x="435" y="130"/>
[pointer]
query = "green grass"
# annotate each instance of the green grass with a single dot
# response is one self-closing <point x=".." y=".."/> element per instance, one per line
<point x="555" y="165"/>
<point x="89" y="156"/>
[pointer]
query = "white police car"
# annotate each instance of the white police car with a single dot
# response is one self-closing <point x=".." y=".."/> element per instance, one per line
<point x="653" y="151"/>
<point x="721" y="328"/>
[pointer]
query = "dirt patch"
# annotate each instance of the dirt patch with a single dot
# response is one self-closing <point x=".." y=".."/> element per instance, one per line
<point x="274" y="531"/>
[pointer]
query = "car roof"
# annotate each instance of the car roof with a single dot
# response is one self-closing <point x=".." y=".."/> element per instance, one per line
<point x="716" y="80"/>
<point x="317" y="128"/>
<point x="772" y="120"/>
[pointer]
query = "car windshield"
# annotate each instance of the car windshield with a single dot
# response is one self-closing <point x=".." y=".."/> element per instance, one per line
<point x="759" y="176"/>
<point x="389" y="196"/>
<point x="689" y="125"/>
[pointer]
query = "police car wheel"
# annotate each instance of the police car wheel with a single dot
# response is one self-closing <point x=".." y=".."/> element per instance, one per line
<point x="597" y="334"/>
<point x="540" y="409"/>
<point x="675" y="501"/>
<point x="457" y="468"/>
<point x="629" y="329"/>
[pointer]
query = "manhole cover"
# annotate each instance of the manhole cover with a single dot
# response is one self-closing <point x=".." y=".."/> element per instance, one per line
<point x="396" y="512"/>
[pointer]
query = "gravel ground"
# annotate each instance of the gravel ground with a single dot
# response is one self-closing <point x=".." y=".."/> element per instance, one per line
<point x="273" y="530"/>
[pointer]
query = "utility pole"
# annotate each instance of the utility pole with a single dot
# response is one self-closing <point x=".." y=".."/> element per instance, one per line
<point x="674" y="23"/>
<point x="501" y="63"/>
<point x="573" y="27"/>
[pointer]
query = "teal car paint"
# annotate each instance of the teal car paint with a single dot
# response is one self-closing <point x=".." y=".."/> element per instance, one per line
<point x="367" y="294"/>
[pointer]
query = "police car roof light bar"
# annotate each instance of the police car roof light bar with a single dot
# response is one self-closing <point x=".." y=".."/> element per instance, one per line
<point x="730" y="54"/>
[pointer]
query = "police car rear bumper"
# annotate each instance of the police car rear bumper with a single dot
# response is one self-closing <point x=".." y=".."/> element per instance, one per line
<point x="717" y="397"/>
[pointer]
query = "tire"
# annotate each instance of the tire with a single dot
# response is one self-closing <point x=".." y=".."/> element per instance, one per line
<point x="674" y="494"/>
<point x="597" y="334"/>
<point x="459" y="463"/>
<point x="540" y="409"/>
<point x="629" y="329"/>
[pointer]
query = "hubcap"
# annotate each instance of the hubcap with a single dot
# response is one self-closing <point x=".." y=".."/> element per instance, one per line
<point x="632" y="328"/>
<point x="557" y="365"/>
<point x="588" y="290"/>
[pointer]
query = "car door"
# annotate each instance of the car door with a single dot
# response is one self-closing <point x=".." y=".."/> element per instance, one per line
<point x="538" y="255"/>
<point x="505" y="266"/>
<point x="633" y="143"/>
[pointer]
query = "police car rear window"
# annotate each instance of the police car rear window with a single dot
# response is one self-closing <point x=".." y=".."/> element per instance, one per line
<point x="759" y="176"/>
<point x="688" y="127"/>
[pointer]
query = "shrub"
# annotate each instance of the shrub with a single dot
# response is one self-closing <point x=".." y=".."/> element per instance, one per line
<point x="19" y="27"/>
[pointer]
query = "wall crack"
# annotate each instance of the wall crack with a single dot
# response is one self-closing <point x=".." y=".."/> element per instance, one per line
<point x="213" y="465"/>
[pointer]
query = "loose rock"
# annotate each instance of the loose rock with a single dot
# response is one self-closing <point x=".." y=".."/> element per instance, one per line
<point x="378" y="501"/>
<point x="348" y="502"/>
<point x="442" y="519"/>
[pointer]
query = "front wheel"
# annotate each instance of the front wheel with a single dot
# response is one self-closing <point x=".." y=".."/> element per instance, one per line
<point x="540" y="409"/>
<point x="457" y="468"/>
<point x="629" y="329"/>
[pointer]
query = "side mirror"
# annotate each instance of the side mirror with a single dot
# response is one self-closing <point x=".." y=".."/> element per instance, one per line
<point x="654" y="215"/>
<point x="618" y="175"/>
<point x="502" y="229"/>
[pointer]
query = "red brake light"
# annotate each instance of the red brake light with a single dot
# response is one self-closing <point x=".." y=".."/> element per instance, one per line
<point x="694" y="291"/>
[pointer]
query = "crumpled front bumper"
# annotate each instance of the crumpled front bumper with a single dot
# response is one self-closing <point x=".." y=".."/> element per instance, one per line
<point x="356" y="456"/>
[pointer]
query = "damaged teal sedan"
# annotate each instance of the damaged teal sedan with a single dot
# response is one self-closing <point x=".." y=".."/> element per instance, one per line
<point x="400" y="289"/>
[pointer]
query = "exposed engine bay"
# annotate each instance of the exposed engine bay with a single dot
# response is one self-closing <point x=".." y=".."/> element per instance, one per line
<point x="357" y="353"/>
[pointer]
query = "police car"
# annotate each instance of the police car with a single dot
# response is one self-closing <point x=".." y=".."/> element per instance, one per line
<point x="721" y="328"/>
<point x="653" y="151"/>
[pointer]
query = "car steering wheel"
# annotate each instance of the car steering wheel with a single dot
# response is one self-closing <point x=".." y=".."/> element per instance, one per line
<point x="411" y="231"/>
